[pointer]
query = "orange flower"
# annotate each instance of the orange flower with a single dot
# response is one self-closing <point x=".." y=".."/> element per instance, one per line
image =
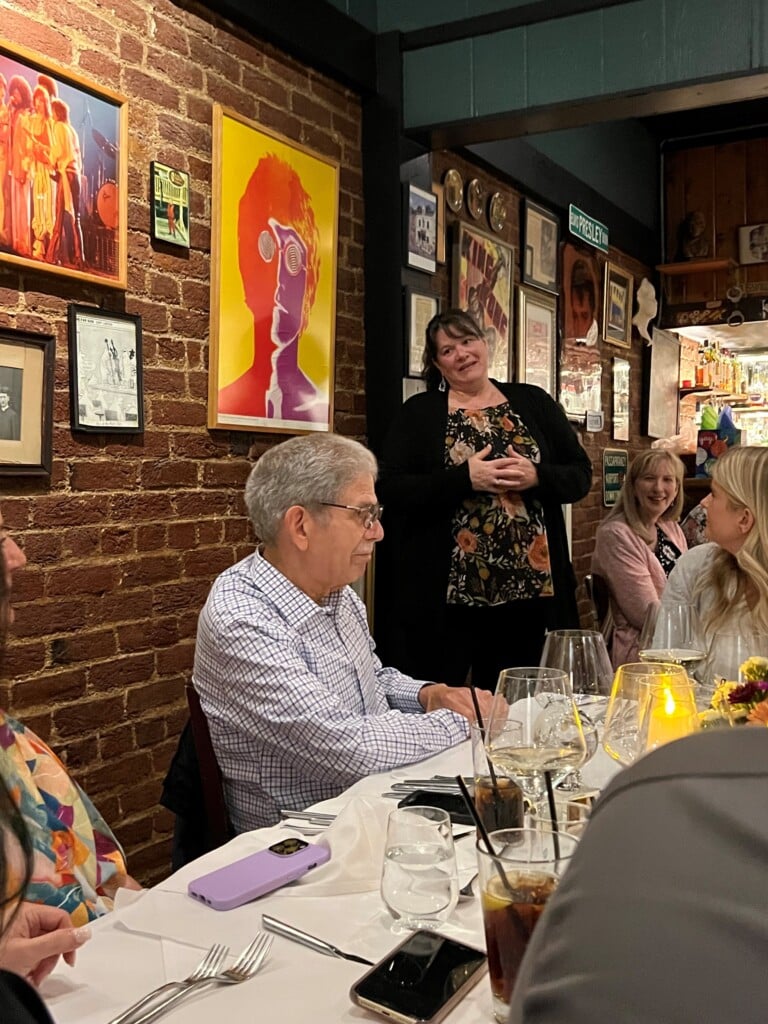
<point x="507" y="424"/>
<point x="538" y="553"/>
<point x="759" y="714"/>
<point x="467" y="541"/>
<point x="513" y="504"/>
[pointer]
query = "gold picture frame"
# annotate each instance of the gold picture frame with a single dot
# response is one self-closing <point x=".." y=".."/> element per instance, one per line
<point x="67" y="213"/>
<point x="26" y="402"/>
<point x="273" y="280"/>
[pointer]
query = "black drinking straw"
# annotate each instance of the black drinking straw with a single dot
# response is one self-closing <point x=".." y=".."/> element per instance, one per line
<point x="481" y="724"/>
<point x="553" y="813"/>
<point x="483" y="833"/>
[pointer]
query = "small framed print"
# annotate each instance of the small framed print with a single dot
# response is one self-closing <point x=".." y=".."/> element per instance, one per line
<point x="617" y="306"/>
<point x="26" y="402"/>
<point x="419" y="310"/>
<point x="537" y="339"/>
<point x="753" y="243"/>
<point x="620" y="399"/>
<point x="421" y="229"/>
<point x="105" y="366"/>
<point x="541" y="233"/>
<point x="170" y="205"/>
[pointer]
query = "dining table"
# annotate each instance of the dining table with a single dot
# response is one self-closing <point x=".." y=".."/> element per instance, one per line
<point x="160" y="934"/>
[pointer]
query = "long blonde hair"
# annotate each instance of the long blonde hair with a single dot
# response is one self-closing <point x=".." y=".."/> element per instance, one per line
<point x="627" y="507"/>
<point x="742" y="473"/>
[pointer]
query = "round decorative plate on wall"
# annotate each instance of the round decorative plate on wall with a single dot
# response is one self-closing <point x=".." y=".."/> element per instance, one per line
<point x="454" y="190"/>
<point x="475" y="199"/>
<point x="497" y="211"/>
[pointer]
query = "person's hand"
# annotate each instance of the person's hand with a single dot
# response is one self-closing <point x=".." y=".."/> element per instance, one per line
<point x="492" y="475"/>
<point x="36" y="938"/>
<point x="455" y="698"/>
<point x="521" y="472"/>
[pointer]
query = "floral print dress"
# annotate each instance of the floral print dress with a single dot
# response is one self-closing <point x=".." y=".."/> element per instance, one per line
<point x="500" y="551"/>
<point x="75" y="854"/>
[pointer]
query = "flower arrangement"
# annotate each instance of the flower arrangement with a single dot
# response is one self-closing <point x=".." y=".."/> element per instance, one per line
<point x="746" y="701"/>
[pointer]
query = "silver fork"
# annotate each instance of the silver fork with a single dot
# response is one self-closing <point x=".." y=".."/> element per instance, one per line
<point x="246" y="965"/>
<point x="208" y="966"/>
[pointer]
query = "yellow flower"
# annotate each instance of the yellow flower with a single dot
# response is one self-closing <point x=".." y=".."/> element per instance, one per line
<point x="754" y="670"/>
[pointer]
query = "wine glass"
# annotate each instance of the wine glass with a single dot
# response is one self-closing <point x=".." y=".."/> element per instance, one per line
<point x="551" y="739"/>
<point x="627" y="704"/>
<point x="671" y="634"/>
<point x="727" y="652"/>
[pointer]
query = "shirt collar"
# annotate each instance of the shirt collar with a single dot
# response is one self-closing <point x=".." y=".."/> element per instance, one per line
<point x="296" y="606"/>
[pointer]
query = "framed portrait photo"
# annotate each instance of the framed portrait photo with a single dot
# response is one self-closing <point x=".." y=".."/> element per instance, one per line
<point x="483" y="273"/>
<point x="537" y="339"/>
<point x="420" y="307"/>
<point x="105" y="366"/>
<point x="753" y="243"/>
<point x="275" y="211"/>
<point x="26" y="402"/>
<point x="70" y="210"/>
<point x="170" y="205"/>
<point x="421" y="228"/>
<point x="541" y="235"/>
<point x="617" y="306"/>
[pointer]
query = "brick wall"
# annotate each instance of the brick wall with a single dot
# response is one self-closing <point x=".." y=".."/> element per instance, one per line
<point x="587" y="513"/>
<point x="125" y="540"/>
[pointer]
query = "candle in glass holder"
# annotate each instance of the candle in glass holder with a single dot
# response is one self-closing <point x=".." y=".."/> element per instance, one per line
<point x="669" y="716"/>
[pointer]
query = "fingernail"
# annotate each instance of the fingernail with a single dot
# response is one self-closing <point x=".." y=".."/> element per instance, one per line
<point x="82" y="934"/>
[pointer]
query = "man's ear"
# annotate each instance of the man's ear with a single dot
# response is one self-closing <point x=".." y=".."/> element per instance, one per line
<point x="297" y="523"/>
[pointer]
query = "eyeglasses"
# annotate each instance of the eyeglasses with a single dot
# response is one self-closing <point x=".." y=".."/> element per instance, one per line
<point x="369" y="514"/>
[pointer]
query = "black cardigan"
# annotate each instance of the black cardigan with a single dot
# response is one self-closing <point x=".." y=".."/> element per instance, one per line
<point x="420" y="495"/>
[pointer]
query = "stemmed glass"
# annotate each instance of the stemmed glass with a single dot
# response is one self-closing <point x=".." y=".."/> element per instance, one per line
<point x="671" y="634"/>
<point x="535" y="728"/>
<point x="626" y="726"/>
<point x="727" y="652"/>
<point x="582" y="654"/>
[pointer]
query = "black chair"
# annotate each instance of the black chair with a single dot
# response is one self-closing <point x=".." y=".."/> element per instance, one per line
<point x="600" y="598"/>
<point x="193" y="790"/>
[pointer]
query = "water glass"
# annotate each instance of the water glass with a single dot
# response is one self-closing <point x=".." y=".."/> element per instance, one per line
<point x="515" y="885"/>
<point x="419" y="882"/>
<point x="498" y="799"/>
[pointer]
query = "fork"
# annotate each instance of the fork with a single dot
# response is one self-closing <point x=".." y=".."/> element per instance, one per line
<point x="207" y="967"/>
<point x="246" y="965"/>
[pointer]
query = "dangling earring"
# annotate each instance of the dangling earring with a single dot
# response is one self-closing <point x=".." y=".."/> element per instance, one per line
<point x="442" y="386"/>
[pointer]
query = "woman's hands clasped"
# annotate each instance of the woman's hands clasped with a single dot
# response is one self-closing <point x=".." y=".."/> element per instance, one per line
<point x="515" y="473"/>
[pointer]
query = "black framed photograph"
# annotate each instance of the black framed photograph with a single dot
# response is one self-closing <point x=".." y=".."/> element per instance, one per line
<point x="420" y="307"/>
<point x="106" y="387"/>
<point x="541" y="234"/>
<point x="26" y="402"/>
<point x="421" y="228"/>
<point x="620" y="399"/>
<point x="170" y="205"/>
<point x="617" y="306"/>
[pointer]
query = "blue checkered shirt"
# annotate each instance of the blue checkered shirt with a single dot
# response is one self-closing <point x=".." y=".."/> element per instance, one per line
<point x="298" y="704"/>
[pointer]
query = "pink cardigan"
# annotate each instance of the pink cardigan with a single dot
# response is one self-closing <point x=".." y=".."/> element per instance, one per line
<point x="635" y="579"/>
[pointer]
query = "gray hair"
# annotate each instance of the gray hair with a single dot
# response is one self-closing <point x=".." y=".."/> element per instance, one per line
<point x="304" y="471"/>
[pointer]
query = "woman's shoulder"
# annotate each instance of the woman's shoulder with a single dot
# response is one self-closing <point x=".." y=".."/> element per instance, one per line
<point x="616" y="526"/>
<point x="696" y="559"/>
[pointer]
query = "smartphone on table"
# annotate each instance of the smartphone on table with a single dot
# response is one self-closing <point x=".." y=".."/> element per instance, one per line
<point x="453" y="803"/>
<point x="258" y="873"/>
<point x="421" y="980"/>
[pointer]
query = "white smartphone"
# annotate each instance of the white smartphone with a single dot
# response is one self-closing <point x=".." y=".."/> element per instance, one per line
<point x="421" y="980"/>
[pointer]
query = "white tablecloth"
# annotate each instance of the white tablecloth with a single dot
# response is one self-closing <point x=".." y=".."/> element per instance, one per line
<point x="160" y="936"/>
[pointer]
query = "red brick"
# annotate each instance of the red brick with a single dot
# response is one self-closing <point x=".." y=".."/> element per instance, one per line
<point x="153" y="695"/>
<point x="151" y="569"/>
<point x="207" y="562"/>
<point x="93" y="579"/>
<point x="120" y="673"/>
<point x="87" y="715"/>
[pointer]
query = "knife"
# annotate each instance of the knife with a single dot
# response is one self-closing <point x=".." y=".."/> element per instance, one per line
<point x="288" y="931"/>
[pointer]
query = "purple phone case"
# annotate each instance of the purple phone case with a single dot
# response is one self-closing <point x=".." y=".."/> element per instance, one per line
<point x="255" y="875"/>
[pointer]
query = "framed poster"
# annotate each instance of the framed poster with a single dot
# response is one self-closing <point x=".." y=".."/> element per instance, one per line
<point x="541" y="235"/>
<point x="615" y="463"/>
<point x="105" y="367"/>
<point x="273" y="280"/>
<point x="483" y="273"/>
<point x="620" y="399"/>
<point x="67" y="211"/>
<point x="170" y="205"/>
<point x="420" y="307"/>
<point x="537" y="339"/>
<point x="617" y="306"/>
<point x="421" y="229"/>
<point x="26" y="402"/>
<point x="580" y="364"/>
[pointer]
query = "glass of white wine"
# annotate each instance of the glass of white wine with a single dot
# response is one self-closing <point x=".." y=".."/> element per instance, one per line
<point x="672" y="635"/>
<point x="535" y="728"/>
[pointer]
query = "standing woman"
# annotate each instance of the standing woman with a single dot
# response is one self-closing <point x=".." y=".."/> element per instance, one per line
<point x="475" y="565"/>
<point x="638" y="543"/>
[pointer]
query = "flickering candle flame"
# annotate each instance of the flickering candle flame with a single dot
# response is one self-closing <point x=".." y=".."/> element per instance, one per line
<point x="668" y="720"/>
